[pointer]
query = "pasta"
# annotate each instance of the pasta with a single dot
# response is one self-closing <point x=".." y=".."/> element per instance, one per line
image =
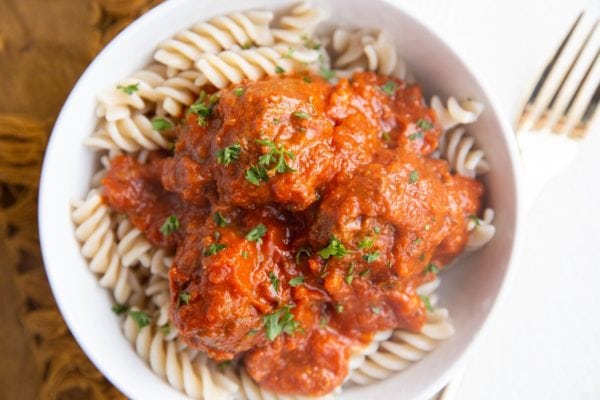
<point x="231" y="66"/>
<point x="223" y="51"/>
<point x="213" y="36"/>
<point x="94" y="231"/>
<point x="183" y="369"/>
<point x="362" y="51"/>
<point x="391" y="352"/>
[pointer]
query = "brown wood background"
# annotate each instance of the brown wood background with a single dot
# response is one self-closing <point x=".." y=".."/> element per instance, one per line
<point x="44" y="47"/>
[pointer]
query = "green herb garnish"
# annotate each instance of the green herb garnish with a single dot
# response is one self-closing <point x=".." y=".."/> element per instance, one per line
<point x="238" y="91"/>
<point x="365" y="272"/>
<point x="366" y="243"/>
<point x="424" y="124"/>
<point x="160" y="124"/>
<point x="256" y="174"/>
<point x="386" y="136"/>
<point x="220" y="219"/>
<point x="140" y="318"/>
<point x="350" y="275"/>
<point x="301" y="114"/>
<point x="119" y="308"/>
<point x="274" y="281"/>
<point x="370" y="257"/>
<point x="432" y="268"/>
<point x="256" y="233"/>
<point x="297" y="281"/>
<point x="303" y="250"/>
<point x="427" y="303"/>
<point x="129" y="89"/>
<point x="213" y="249"/>
<point x="228" y="154"/>
<point x="335" y="249"/>
<point x="279" y="70"/>
<point x="417" y="135"/>
<point x="281" y="321"/>
<point x="307" y="79"/>
<point x="165" y="329"/>
<point x="171" y="225"/>
<point x="184" y="298"/>
<point x="475" y="219"/>
<point x="376" y="310"/>
<point x="414" y="176"/>
<point x="327" y="74"/>
<point x="389" y="88"/>
<point x="275" y="158"/>
<point x="339" y="308"/>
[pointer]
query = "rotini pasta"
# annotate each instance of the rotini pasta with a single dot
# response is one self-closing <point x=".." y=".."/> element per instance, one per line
<point x="388" y="354"/>
<point x="458" y="147"/>
<point x="362" y="51"/>
<point x="94" y="231"/>
<point x="220" y="33"/>
<point x="231" y="66"/>
<point x="455" y="112"/>
<point x="188" y="371"/>
<point x="298" y="26"/>
<point x="178" y="92"/>
<point x="481" y="231"/>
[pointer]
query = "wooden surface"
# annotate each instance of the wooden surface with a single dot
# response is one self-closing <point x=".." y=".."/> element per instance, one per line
<point x="44" y="46"/>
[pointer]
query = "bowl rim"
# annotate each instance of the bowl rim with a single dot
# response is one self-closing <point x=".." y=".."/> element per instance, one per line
<point x="513" y="153"/>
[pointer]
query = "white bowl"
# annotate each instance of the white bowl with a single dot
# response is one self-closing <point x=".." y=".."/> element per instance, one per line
<point x="470" y="290"/>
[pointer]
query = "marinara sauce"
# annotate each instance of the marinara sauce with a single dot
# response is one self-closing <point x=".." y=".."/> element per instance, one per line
<point x="307" y="215"/>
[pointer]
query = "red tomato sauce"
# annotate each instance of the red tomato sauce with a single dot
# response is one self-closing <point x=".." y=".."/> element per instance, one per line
<point x="308" y="214"/>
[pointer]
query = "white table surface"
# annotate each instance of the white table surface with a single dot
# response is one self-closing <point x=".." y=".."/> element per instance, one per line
<point x="544" y="340"/>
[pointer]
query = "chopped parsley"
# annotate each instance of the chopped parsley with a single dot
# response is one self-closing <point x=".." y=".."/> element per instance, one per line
<point x="370" y="257"/>
<point x="386" y="136"/>
<point x="160" y="124"/>
<point x="228" y="154"/>
<point x="350" y="275"/>
<point x="289" y="53"/>
<point x="220" y="219"/>
<point x="280" y="321"/>
<point x="475" y="219"/>
<point x="417" y="240"/>
<point x="184" y="298"/>
<point x="256" y="233"/>
<point x="171" y="225"/>
<point x="365" y="272"/>
<point x="424" y="124"/>
<point x="427" y="303"/>
<point x="309" y="42"/>
<point x="276" y="121"/>
<point x="256" y="174"/>
<point x="377" y="230"/>
<point x="335" y="249"/>
<point x="252" y="332"/>
<point x="203" y="107"/>
<point x="339" y="308"/>
<point x="140" y="318"/>
<point x="327" y="74"/>
<point x="165" y="329"/>
<point x="275" y="158"/>
<point x="304" y="250"/>
<point x="376" y="310"/>
<point x="119" y="308"/>
<point x="245" y="254"/>
<point x="301" y="114"/>
<point x="238" y="91"/>
<point x="323" y="321"/>
<point x="279" y="70"/>
<point x="389" y="88"/>
<point x="432" y="268"/>
<point x="417" y="135"/>
<point x="366" y="243"/>
<point x="274" y="281"/>
<point x="307" y="79"/>
<point x="213" y="249"/>
<point x="414" y="176"/>
<point x="297" y="281"/>
<point x="222" y="366"/>
<point x="129" y="89"/>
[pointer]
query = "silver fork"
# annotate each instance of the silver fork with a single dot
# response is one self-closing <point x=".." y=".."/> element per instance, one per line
<point x="561" y="107"/>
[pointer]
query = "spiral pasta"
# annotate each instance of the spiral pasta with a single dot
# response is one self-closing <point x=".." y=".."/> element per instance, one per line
<point x="360" y="50"/>
<point x="178" y="92"/>
<point x="132" y="245"/>
<point x="133" y="93"/>
<point x="217" y="34"/>
<point x="94" y="230"/>
<point x="481" y="230"/>
<point x="390" y="353"/>
<point x="183" y="369"/>
<point x="299" y="25"/>
<point x="231" y="66"/>
<point x="157" y="290"/>
<point x="455" y="112"/>
<point x="458" y="148"/>
<point x="129" y="134"/>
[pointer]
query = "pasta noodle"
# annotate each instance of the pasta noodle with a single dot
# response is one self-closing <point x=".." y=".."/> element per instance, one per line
<point x="185" y="370"/>
<point x="132" y="245"/>
<point x="299" y="25"/>
<point x="456" y="112"/>
<point x="94" y="232"/>
<point x="362" y="51"/>
<point x="178" y="92"/>
<point x="457" y="146"/>
<point x="481" y="231"/>
<point x="393" y="352"/>
<point x="213" y="36"/>
<point x="158" y="291"/>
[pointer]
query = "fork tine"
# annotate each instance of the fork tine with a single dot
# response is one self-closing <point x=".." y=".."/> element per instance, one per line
<point x="544" y="118"/>
<point x="545" y="74"/>
<point x="584" y="123"/>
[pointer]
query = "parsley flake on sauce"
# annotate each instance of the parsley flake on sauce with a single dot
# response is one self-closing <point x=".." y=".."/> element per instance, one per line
<point x="160" y="124"/>
<point x="386" y="136"/>
<point x="365" y="272"/>
<point x="140" y="318"/>
<point x="256" y="174"/>
<point x="370" y="257"/>
<point x="414" y="176"/>
<point x="427" y="303"/>
<point x="389" y="88"/>
<point x="274" y="281"/>
<point x="220" y="219"/>
<point x="129" y="89"/>
<point x="350" y="275"/>
<point x="366" y="243"/>
<point x="275" y="158"/>
<point x="228" y="154"/>
<point x="280" y="321"/>
<point x="376" y="310"/>
<point x="335" y="249"/>
<point x="165" y="329"/>
<point x="417" y="135"/>
<point x="304" y="250"/>
<point x="307" y="79"/>
<point x="432" y="268"/>
<point x="184" y="298"/>
<point x="279" y="70"/>
<point x="301" y="114"/>
<point x="327" y="74"/>
<point x="171" y="225"/>
<point x="424" y="124"/>
<point x="475" y="219"/>
<point x="256" y="233"/>
<point x="238" y="91"/>
<point x="339" y="308"/>
<point x="297" y="281"/>
<point x="213" y="249"/>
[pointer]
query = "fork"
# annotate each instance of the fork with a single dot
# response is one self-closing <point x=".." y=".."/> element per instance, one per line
<point x="561" y="107"/>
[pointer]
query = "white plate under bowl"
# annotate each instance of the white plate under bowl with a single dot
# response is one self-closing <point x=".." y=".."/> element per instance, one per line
<point x="470" y="290"/>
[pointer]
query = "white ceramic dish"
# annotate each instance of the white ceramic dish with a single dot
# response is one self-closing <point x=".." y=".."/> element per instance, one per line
<point x="470" y="290"/>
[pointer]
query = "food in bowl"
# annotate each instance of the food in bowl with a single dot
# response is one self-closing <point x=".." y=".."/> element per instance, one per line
<point x="281" y="202"/>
